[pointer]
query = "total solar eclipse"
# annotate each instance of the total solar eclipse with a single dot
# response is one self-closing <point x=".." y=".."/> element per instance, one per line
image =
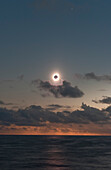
<point x="56" y="77"/>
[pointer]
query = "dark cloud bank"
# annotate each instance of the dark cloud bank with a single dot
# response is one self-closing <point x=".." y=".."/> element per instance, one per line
<point x="64" y="90"/>
<point x="105" y="100"/>
<point x="38" y="116"/>
<point x="92" y="75"/>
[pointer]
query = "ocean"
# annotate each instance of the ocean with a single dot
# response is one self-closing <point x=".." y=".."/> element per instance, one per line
<point x="55" y="152"/>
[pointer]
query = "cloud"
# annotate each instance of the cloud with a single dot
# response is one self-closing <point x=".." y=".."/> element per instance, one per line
<point x="94" y="114"/>
<point x="108" y="109"/>
<point x="58" y="106"/>
<point x="95" y="101"/>
<point x="105" y="100"/>
<point x="39" y="117"/>
<point x="64" y="90"/>
<point x="93" y="76"/>
<point x="3" y="103"/>
<point x="55" y="106"/>
<point x="98" y="78"/>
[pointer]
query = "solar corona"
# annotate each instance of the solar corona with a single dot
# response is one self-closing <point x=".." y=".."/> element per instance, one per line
<point x="56" y="77"/>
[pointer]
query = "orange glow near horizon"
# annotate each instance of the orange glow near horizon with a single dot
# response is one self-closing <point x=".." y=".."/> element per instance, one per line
<point x="57" y="129"/>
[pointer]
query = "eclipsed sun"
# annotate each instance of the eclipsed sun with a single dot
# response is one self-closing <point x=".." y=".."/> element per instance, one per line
<point x="56" y="77"/>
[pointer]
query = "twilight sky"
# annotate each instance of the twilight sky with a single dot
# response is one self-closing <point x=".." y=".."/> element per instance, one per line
<point x="40" y="37"/>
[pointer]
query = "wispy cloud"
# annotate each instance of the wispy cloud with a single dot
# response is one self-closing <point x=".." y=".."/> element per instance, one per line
<point x="3" y="103"/>
<point x="105" y="100"/>
<point x="93" y="76"/>
<point x="57" y="106"/>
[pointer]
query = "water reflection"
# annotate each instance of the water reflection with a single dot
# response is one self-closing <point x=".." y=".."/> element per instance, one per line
<point x="55" y="153"/>
<point x="56" y="160"/>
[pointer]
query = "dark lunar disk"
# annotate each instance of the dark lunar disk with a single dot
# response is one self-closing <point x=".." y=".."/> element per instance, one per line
<point x="55" y="76"/>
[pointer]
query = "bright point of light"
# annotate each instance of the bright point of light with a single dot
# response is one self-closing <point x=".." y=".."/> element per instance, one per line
<point x="56" y="77"/>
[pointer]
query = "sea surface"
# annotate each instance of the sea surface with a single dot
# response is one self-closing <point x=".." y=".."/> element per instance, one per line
<point x="55" y="152"/>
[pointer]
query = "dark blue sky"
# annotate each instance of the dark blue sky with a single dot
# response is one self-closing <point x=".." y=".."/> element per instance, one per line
<point x="40" y="37"/>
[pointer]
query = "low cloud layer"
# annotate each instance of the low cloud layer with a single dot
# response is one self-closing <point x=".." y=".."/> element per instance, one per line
<point x="105" y="100"/>
<point x="93" y="76"/>
<point x="38" y="116"/>
<point x="64" y="90"/>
